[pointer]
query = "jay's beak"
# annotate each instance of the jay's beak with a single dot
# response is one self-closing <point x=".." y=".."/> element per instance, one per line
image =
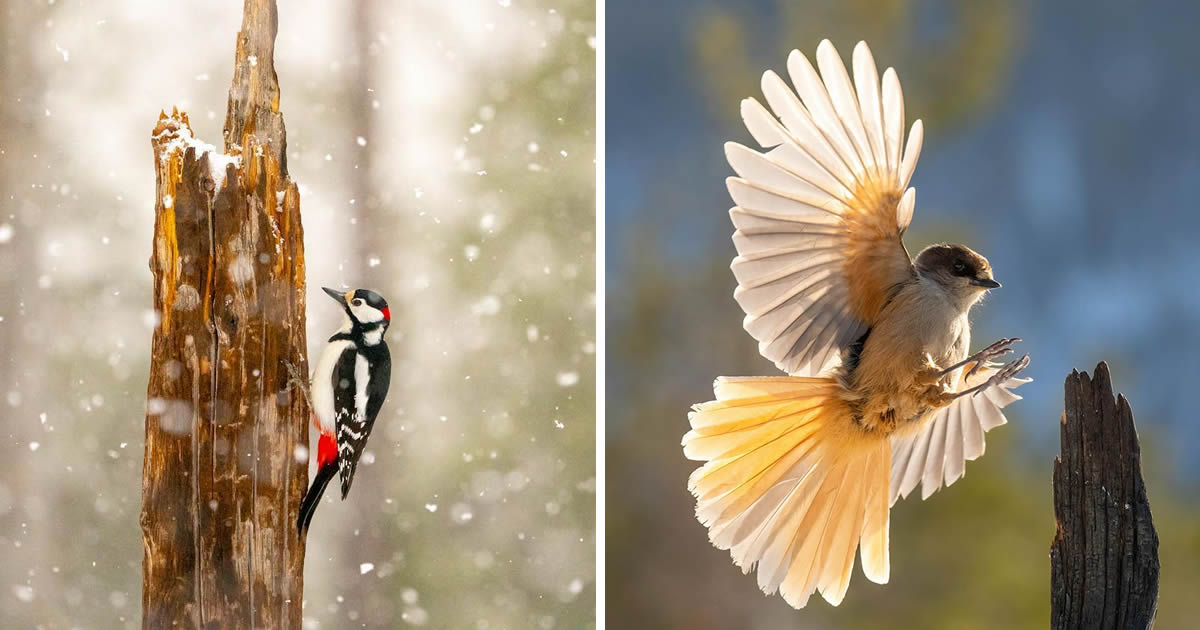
<point x="986" y="283"/>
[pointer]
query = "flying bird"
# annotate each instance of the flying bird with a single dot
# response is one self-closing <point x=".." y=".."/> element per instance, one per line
<point x="801" y="470"/>
<point x="348" y="387"/>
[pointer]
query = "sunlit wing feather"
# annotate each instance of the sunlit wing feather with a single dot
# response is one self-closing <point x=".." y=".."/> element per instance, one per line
<point x="820" y="214"/>
<point x="936" y="456"/>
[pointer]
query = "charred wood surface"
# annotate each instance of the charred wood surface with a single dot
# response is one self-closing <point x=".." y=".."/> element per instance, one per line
<point x="1104" y="566"/>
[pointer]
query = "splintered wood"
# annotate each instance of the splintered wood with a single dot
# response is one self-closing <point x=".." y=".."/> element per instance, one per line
<point x="1104" y="559"/>
<point x="225" y="462"/>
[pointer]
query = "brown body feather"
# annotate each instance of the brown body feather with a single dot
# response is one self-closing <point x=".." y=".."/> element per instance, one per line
<point x="896" y="382"/>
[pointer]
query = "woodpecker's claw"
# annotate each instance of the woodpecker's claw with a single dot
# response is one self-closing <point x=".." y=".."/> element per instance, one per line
<point x="1010" y="369"/>
<point x="296" y="379"/>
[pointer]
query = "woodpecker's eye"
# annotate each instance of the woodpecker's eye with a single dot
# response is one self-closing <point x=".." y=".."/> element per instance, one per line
<point x="959" y="267"/>
<point x="357" y="302"/>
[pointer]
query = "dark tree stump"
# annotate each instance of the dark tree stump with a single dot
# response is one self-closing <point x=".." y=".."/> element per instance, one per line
<point x="225" y="463"/>
<point x="1104" y="559"/>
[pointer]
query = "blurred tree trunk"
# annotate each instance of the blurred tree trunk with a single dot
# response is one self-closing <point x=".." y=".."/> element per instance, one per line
<point x="373" y="222"/>
<point x="13" y="253"/>
<point x="225" y="461"/>
<point x="21" y="91"/>
<point x="369" y="252"/>
<point x="1104" y="559"/>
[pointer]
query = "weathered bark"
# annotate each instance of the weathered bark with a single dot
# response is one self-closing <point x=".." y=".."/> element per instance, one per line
<point x="254" y="94"/>
<point x="1104" y="559"/>
<point x="223" y="471"/>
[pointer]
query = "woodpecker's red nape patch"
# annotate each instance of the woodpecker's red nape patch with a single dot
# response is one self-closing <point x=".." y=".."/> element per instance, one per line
<point x="387" y="313"/>
<point x="327" y="450"/>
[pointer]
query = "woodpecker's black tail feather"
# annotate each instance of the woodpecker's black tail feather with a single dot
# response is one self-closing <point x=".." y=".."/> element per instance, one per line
<point x="311" y="500"/>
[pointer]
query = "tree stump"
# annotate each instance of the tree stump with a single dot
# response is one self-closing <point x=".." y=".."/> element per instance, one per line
<point x="1104" y="559"/>
<point x="226" y="460"/>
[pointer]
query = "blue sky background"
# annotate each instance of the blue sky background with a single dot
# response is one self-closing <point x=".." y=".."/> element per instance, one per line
<point x="1077" y="179"/>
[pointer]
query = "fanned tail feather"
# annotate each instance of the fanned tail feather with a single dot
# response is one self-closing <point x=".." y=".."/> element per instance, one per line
<point x="790" y="484"/>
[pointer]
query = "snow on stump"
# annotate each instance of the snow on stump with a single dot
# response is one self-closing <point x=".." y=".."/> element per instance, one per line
<point x="225" y="465"/>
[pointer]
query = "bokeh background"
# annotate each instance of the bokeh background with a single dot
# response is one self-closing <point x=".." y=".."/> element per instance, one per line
<point x="445" y="154"/>
<point x="1062" y="142"/>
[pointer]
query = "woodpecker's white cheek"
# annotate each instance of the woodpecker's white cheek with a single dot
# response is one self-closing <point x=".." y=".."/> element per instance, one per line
<point x="366" y="314"/>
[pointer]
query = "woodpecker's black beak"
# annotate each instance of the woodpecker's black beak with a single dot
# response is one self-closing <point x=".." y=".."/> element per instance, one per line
<point x="986" y="283"/>
<point x="340" y="296"/>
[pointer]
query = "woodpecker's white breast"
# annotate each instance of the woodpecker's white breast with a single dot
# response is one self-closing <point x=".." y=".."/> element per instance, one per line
<point x="322" y="384"/>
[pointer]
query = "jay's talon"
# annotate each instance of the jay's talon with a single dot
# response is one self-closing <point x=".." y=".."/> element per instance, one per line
<point x="994" y="351"/>
<point x="1010" y="369"/>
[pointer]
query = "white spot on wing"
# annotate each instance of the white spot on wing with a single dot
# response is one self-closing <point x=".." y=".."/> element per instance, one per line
<point x="362" y="376"/>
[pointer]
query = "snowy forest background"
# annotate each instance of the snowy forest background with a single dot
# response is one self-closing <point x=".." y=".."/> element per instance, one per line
<point x="445" y="154"/>
<point x="1061" y="142"/>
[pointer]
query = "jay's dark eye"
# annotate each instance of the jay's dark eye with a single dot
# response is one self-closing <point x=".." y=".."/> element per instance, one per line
<point x="357" y="302"/>
<point x="960" y="268"/>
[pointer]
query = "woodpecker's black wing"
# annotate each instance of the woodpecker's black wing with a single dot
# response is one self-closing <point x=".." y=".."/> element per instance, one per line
<point x="381" y="378"/>
<point x="361" y="382"/>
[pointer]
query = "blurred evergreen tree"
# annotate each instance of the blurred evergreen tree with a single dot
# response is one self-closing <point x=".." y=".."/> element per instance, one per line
<point x="953" y="60"/>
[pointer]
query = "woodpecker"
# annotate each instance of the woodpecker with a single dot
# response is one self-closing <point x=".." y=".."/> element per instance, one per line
<point x="348" y="387"/>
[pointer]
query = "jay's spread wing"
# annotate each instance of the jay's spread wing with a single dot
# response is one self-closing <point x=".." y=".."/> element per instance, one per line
<point x="820" y="214"/>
